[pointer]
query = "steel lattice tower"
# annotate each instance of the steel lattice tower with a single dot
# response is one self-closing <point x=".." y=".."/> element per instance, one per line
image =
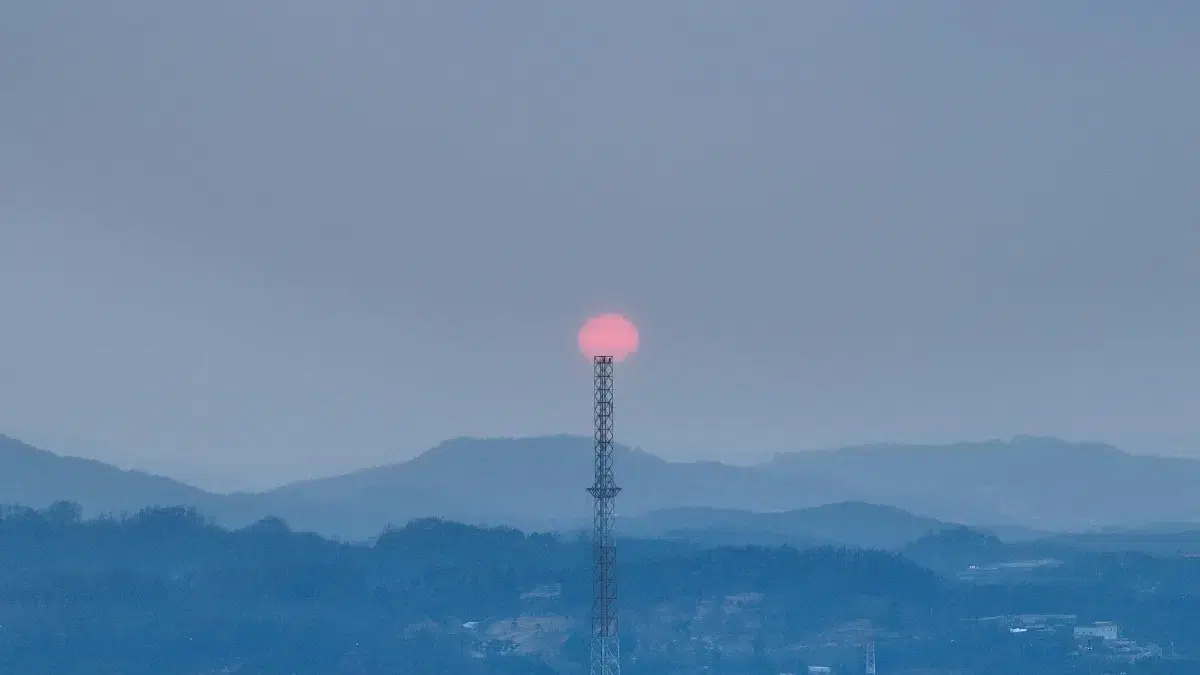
<point x="606" y="650"/>
<point x="870" y="651"/>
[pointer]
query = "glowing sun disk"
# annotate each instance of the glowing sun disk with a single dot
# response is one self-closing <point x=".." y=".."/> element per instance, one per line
<point x="608" y="335"/>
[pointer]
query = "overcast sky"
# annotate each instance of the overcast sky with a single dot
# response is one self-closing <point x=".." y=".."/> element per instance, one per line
<point x="246" y="242"/>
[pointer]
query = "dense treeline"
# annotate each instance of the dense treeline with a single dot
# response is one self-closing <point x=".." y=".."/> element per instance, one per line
<point x="164" y="591"/>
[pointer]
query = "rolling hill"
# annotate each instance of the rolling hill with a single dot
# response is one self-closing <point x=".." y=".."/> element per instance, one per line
<point x="1025" y="483"/>
<point x="533" y="483"/>
<point x="841" y="524"/>
<point x="1042" y="483"/>
<point x="33" y="477"/>
<point x="539" y="483"/>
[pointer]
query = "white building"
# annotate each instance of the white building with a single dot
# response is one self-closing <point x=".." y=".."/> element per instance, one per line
<point x="1101" y="629"/>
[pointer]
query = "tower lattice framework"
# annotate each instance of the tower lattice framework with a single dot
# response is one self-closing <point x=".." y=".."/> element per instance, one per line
<point x="869" y="648"/>
<point x="606" y="650"/>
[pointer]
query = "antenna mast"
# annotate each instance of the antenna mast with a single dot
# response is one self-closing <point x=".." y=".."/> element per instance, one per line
<point x="606" y="650"/>
<point x="870" y="649"/>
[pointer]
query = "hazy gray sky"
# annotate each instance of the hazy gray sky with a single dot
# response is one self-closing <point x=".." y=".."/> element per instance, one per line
<point x="265" y="240"/>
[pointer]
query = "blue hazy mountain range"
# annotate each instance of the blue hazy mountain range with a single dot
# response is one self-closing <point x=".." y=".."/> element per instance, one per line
<point x="1012" y="487"/>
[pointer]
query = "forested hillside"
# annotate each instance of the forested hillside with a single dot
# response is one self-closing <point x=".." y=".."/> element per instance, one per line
<point x="163" y="591"/>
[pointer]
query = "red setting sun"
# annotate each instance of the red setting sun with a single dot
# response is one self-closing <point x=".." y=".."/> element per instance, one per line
<point x="608" y="335"/>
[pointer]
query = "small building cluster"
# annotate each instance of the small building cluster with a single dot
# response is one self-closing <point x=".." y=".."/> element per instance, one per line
<point x="1100" y="639"/>
<point x="1102" y="630"/>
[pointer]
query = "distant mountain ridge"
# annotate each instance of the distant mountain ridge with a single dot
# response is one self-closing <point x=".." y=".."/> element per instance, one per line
<point x="1029" y="481"/>
<point x="841" y="524"/>
<point x="539" y="483"/>
<point x="34" y="477"/>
